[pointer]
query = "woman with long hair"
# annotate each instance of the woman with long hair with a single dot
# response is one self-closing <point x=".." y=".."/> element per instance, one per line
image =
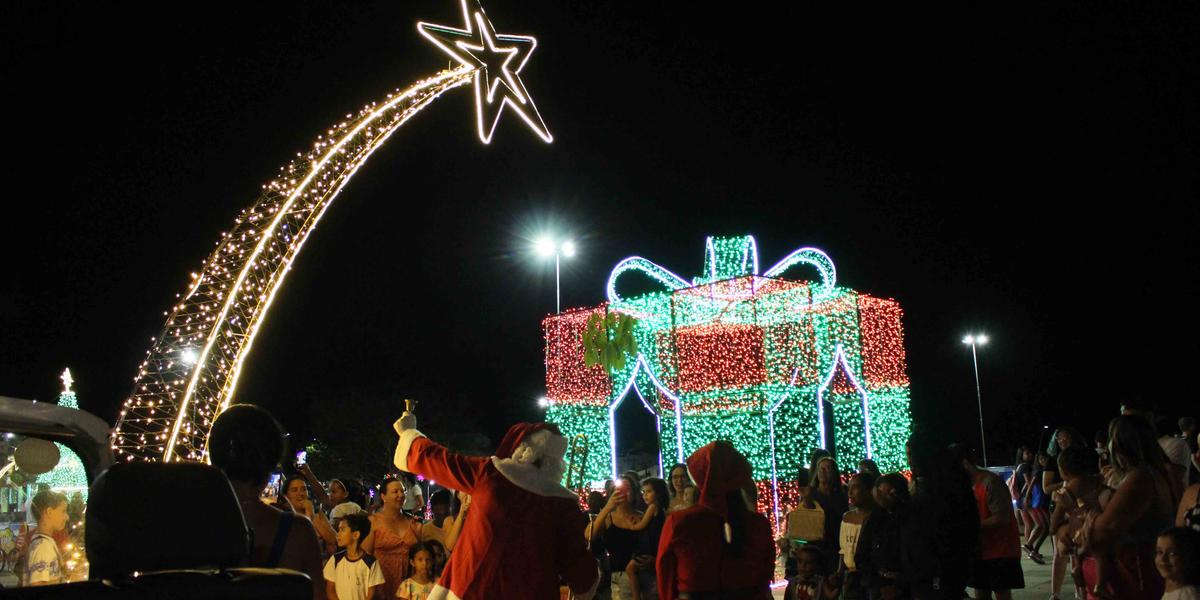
<point x="862" y="503"/>
<point x="682" y="488"/>
<point x="1143" y="505"/>
<point x="640" y="570"/>
<point x="393" y="533"/>
<point x="1021" y="476"/>
<point x="618" y="525"/>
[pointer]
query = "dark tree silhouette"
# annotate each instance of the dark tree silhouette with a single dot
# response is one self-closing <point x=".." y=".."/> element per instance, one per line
<point x="353" y="435"/>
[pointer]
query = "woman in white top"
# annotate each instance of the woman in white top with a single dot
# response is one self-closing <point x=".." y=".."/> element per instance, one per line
<point x="862" y="503"/>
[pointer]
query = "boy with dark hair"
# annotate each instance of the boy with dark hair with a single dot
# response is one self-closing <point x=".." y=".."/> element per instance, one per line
<point x="352" y="574"/>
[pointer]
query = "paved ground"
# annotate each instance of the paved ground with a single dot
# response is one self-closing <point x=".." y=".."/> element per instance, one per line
<point x="1037" y="580"/>
<point x="1037" y="583"/>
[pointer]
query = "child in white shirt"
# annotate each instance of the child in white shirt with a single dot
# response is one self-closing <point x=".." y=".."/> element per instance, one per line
<point x="352" y="574"/>
<point x="43" y="561"/>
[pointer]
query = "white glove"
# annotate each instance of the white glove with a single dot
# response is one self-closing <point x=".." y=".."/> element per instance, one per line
<point x="405" y="422"/>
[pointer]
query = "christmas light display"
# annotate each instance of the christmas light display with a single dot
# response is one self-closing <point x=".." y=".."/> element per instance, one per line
<point x="191" y="371"/>
<point x="778" y="367"/>
<point x="69" y="475"/>
<point x="498" y="59"/>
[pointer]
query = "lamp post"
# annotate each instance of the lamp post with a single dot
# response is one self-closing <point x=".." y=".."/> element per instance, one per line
<point x="980" y="340"/>
<point x="545" y="247"/>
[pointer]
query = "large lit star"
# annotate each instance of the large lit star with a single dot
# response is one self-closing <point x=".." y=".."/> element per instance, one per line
<point x="497" y="60"/>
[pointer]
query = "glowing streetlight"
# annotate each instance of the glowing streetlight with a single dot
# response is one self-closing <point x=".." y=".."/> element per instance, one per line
<point x="189" y="356"/>
<point x="973" y="341"/>
<point x="543" y="402"/>
<point x="547" y="247"/>
<point x="544" y="246"/>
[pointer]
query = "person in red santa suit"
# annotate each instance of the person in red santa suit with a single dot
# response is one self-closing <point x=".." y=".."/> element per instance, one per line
<point x="523" y="537"/>
<point x="720" y="548"/>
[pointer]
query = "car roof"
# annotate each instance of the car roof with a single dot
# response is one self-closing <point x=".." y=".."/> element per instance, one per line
<point x="85" y="433"/>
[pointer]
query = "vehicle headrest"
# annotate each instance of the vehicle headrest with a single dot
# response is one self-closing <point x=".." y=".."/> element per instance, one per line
<point x="153" y="516"/>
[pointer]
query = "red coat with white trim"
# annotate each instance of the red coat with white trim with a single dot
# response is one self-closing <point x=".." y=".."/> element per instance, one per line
<point x="523" y="534"/>
<point x="693" y="555"/>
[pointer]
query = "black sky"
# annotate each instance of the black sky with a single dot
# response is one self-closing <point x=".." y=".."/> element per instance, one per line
<point x="1029" y="171"/>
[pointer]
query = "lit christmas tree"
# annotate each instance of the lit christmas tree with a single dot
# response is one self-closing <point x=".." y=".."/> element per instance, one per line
<point x="69" y="476"/>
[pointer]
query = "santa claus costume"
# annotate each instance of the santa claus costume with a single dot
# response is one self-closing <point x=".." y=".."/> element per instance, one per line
<point x="524" y="534"/>
<point x="719" y="548"/>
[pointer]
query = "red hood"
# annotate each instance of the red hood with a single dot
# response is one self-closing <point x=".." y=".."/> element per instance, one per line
<point x="517" y="434"/>
<point x="717" y="469"/>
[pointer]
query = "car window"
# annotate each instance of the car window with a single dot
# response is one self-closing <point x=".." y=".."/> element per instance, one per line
<point x="53" y="553"/>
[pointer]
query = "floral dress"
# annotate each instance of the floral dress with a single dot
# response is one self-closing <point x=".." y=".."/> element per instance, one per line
<point x="414" y="591"/>
<point x="392" y="552"/>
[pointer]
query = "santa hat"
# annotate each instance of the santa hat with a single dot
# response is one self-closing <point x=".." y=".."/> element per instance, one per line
<point x="540" y="440"/>
<point x="718" y="469"/>
<point x="531" y="457"/>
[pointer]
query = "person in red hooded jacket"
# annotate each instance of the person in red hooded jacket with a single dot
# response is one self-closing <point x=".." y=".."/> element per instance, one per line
<point x="719" y="548"/>
<point x="516" y="543"/>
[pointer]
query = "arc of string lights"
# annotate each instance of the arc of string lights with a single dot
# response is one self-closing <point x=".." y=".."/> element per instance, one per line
<point x="191" y="371"/>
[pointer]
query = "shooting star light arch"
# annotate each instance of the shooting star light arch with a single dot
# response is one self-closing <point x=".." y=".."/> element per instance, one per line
<point x="191" y="370"/>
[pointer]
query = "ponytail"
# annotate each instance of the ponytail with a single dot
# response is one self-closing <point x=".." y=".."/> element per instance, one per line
<point x="735" y="522"/>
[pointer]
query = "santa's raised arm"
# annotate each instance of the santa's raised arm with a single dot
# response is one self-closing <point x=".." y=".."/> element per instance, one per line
<point x="522" y="537"/>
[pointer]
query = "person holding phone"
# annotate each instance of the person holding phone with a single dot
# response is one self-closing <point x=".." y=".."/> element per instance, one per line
<point x="616" y="525"/>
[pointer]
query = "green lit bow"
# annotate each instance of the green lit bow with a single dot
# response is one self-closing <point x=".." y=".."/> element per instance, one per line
<point x="607" y="339"/>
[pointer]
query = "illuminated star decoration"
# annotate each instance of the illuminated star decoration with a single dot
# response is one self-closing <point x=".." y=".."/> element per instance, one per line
<point x="67" y="381"/>
<point x="497" y="60"/>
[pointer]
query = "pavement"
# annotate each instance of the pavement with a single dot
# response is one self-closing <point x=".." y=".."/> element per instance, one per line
<point x="1037" y="579"/>
<point x="1037" y="582"/>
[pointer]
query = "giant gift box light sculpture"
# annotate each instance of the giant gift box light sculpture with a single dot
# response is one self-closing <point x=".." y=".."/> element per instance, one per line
<point x="778" y="367"/>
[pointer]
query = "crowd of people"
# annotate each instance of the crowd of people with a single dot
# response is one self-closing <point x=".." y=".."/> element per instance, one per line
<point x="1121" y="512"/>
<point x="1120" y="515"/>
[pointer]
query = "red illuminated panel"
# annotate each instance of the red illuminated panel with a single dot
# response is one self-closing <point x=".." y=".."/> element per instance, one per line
<point x="793" y="353"/>
<point x="884" y="364"/>
<point x="568" y="380"/>
<point x="719" y="356"/>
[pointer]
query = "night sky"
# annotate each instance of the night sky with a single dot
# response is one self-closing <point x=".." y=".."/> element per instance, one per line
<point x="1029" y="172"/>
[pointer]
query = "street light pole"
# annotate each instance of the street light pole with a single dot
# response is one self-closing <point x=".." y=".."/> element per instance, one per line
<point x="979" y="401"/>
<point x="544" y="247"/>
<point x="972" y="340"/>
